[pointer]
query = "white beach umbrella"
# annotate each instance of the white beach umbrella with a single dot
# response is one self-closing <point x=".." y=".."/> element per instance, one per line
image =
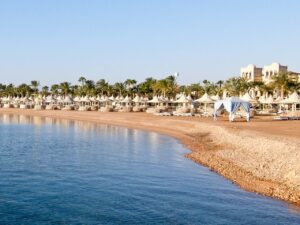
<point x="137" y="99"/>
<point x="292" y="99"/>
<point x="76" y="99"/>
<point x="59" y="98"/>
<point x="127" y="99"/>
<point x="278" y="99"/>
<point x="189" y="97"/>
<point x="246" y="97"/>
<point x="182" y="99"/>
<point x="269" y="100"/>
<point x="49" y="99"/>
<point x="112" y="98"/>
<point x="93" y="99"/>
<point x="24" y="99"/>
<point x="262" y="99"/>
<point x="85" y="99"/>
<point x="155" y="100"/>
<point x="68" y="99"/>
<point x="121" y="98"/>
<point x="205" y="99"/>
<point x="167" y="100"/>
<point x="98" y="98"/>
<point x="215" y="97"/>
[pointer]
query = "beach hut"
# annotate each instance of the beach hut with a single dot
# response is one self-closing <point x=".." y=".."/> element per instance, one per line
<point x="184" y="101"/>
<point x="105" y="104"/>
<point x="84" y="104"/>
<point x="269" y="100"/>
<point x="205" y="99"/>
<point x="246" y="97"/>
<point x="68" y="103"/>
<point x="137" y="104"/>
<point x="16" y="102"/>
<point x="184" y="105"/>
<point x="111" y="98"/>
<point x="215" y="97"/>
<point x="155" y="101"/>
<point x="126" y="104"/>
<point x="292" y="100"/>
<point x="24" y="103"/>
<point x="8" y="102"/>
<point x="231" y="105"/>
<point x="50" y="102"/>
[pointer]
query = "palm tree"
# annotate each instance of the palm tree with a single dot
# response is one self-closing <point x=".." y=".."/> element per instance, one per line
<point x="82" y="80"/>
<point x="130" y="85"/>
<point x="35" y="84"/>
<point x="45" y="90"/>
<point x="119" y="87"/>
<point x="54" y="89"/>
<point x="65" y="88"/>
<point x="197" y="90"/>
<point x="102" y="86"/>
<point x="89" y="87"/>
<point x="281" y="82"/>
<point x="172" y="85"/>
<point x="2" y="89"/>
<point x="24" y="90"/>
<point x="162" y="87"/>
<point x="9" y="90"/>
<point x="146" y="87"/>
<point x="74" y="89"/>
<point x="236" y="86"/>
<point x="220" y="83"/>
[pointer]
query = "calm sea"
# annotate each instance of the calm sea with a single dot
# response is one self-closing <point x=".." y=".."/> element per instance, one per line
<point x="65" y="172"/>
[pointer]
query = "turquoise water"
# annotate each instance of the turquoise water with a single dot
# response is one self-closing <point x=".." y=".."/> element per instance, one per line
<point x="64" y="172"/>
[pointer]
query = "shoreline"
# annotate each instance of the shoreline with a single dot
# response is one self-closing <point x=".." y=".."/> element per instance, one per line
<point x="254" y="156"/>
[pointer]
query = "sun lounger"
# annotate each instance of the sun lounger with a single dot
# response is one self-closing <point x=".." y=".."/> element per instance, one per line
<point x="163" y="114"/>
<point x="294" y="118"/>
<point x="286" y="118"/>
<point x="280" y="118"/>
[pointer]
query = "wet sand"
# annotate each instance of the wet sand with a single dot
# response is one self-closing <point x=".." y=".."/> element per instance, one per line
<point x="262" y="156"/>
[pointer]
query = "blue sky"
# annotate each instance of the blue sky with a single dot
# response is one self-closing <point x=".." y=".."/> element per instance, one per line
<point x="54" y="41"/>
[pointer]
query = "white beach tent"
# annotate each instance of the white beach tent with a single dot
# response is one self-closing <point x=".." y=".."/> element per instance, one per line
<point x="155" y="100"/>
<point x="137" y="99"/>
<point x="205" y="99"/>
<point x="68" y="100"/>
<point x="269" y="100"/>
<point x="293" y="99"/>
<point x="246" y="97"/>
<point x="231" y="105"/>
<point x="76" y="99"/>
<point x="183" y="99"/>
<point x="112" y="98"/>
<point x="215" y="97"/>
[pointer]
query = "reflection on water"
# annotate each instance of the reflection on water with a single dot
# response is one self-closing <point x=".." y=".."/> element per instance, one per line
<point x="56" y="171"/>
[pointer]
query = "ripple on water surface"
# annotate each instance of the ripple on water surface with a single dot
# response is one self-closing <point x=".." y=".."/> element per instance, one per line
<point x="65" y="172"/>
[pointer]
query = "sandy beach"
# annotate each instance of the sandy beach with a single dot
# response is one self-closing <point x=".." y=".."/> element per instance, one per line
<point x="261" y="156"/>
